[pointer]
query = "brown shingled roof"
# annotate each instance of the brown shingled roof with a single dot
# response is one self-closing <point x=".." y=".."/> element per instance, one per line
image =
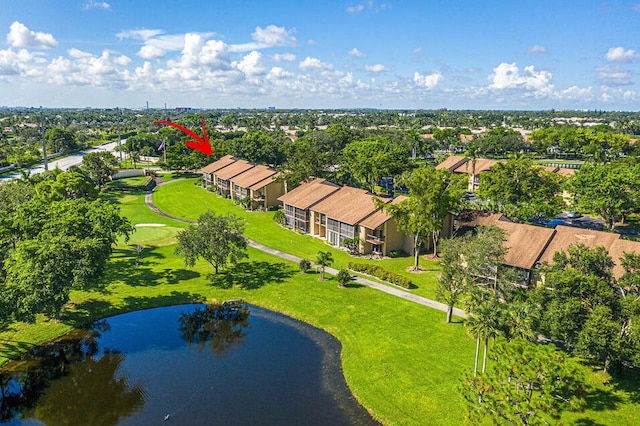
<point x="617" y="249"/>
<point x="253" y="176"/>
<point x="482" y="165"/>
<point x="309" y="193"/>
<point x="233" y="169"/>
<point x="217" y="165"/>
<point x="478" y="217"/>
<point x="348" y="205"/>
<point x="566" y="235"/>
<point x="263" y="182"/>
<point x="566" y="172"/>
<point x="451" y="163"/>
<point x="377" y="218"/>
<point x="525" y="243"/>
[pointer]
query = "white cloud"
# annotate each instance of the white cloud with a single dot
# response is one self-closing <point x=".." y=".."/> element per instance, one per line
<point x="93" y="4"/>
<point x="78" y="54"/>
<point x="274" y="36"/>
<point x="15" y="63"/>
<point x="310" y="63"/>
<point x="279" y="57"/>
<point x="139" y="34"/>
<point x="149" y="51"/>
<point x="251" y="64"/>
<point x="428" y="80"/>
<point x="370" y="5"/>
<point x="536" y="49"/>
<point x="619" y="54"/>
<point x="375" y="68"/>
<point x="612" y="75"/>
<point x="356" y="53"/>
<point x="21" y="36"/>
<point x="355" y="9"/>
<point x="509" y="76"/>
<point x="271" y="36"/>
<point x="574" y="93"/>
<point x="278" y="73"/>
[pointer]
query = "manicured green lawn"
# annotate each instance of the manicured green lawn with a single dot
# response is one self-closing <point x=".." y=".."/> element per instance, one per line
<point x="400" y="359"/>
<point x="185" y="200"/>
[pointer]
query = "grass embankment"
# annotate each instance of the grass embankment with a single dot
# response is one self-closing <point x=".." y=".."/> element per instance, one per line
<point x="185" y="200"/>
<point x="400" y="359"/>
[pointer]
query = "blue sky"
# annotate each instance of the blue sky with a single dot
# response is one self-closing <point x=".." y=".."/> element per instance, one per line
<point x="405" y="54"/>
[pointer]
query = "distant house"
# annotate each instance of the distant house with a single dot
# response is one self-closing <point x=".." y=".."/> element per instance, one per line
<point x="530" y="246"/>
<point x="235" y="178"/>
<point x="464" y="165"/>
<point x="474" y="167"/>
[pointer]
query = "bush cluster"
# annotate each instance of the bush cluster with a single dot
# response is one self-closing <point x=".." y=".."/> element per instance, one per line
<point x="382" y="274"/>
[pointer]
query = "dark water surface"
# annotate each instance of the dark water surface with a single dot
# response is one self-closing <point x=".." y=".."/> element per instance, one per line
<point x="190" y="365"/>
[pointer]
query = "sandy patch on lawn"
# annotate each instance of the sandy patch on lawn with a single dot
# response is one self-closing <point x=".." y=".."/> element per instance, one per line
<point x="150" y="224"/>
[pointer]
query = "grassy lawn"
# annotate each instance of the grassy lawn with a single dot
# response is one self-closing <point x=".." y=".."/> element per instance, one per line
<point x="195" y="200"/>
<point x="400" y="359"/>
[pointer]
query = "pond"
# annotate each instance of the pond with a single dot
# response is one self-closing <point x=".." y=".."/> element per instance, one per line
<point x="188" y="365"/>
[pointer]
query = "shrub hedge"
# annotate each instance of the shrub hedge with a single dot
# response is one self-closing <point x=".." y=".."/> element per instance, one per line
<point x="383" y="274"/>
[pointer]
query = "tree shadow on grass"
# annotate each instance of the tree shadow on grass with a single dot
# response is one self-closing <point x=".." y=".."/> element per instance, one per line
<point x="13" y="349"/>
<point x="123" y="267"/>
<point x="252" y="275"/>
<point x="173" y="298"/>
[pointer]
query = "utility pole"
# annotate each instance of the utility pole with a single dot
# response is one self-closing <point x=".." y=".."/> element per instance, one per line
<point x="44" y="144"/>
<point x="119" y="142"/>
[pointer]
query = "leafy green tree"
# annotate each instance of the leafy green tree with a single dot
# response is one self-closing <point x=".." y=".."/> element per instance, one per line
<point x="343" y="277"/>
<point x="323" y="259"/>
<point x="433" y="194"/>
<point x="529" y="384"/>
<point x="583" y="305"/>
<point x="370" y="159"/>
<point x="61" y="140"/>
<point x="99" y="167"/>
<point x="304" y="265"/>
<point x="610" y="190"/>
<point x="66" y="185"/>
<point x="528" y="190"/>
<point x="57" y="246"/>
<point x="498" y="141"/>
<point x="218" y="239"/>
<point x="310" y="155"/>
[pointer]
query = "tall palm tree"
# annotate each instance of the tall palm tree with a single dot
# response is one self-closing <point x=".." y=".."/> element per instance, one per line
<point x="323" y="259"/>
<point x="484" y="323"/>
<point x="521" y="318"/>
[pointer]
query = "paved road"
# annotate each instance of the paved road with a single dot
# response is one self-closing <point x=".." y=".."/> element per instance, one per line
<point x="63" y="163"/>
<point x="369" y="283"/>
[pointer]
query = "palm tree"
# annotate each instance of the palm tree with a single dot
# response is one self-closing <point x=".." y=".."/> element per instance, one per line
<point x="485" y="323"/>
<point x="323" y="259"/>
<point x="521" y="318"/>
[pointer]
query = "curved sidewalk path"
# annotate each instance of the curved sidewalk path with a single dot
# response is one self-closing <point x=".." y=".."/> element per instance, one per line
<point x="369" y="283"/>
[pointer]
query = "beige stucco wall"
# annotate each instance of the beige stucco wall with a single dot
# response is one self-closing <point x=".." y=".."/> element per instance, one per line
<point x="271" y="192"/>
<point x="395" y="238"/>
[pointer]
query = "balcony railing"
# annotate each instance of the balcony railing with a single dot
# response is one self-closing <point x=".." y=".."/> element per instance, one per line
<point x="258" y="197"/>
<point x="374" y="239"/>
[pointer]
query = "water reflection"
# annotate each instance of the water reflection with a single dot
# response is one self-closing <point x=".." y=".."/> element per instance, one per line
<point x="220" y="327"/>
<point x="191" y="365"/>
<point x="70" y="382"/>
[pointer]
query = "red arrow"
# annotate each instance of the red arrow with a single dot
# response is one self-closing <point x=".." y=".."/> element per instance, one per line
<point x="199" y="144"/>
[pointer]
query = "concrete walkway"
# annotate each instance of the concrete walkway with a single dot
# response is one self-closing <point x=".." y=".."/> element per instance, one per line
<point x="369" y="283"/>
